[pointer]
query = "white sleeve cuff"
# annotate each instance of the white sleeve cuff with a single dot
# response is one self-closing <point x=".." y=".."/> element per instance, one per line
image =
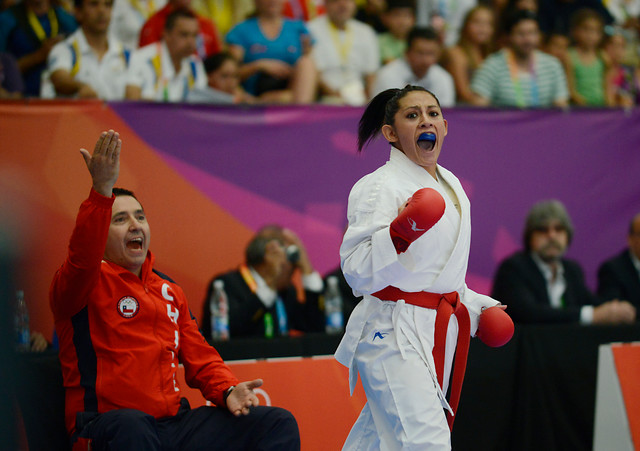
<point x="586" y="314"/>
<point x="313" y="282"/>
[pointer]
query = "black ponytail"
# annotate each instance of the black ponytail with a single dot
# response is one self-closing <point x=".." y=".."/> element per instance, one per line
<point x="381" y="110"/>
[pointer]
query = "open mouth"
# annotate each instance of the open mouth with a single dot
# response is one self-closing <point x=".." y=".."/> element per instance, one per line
<point x="135" y="244"/>
<point x="427" y="140"/>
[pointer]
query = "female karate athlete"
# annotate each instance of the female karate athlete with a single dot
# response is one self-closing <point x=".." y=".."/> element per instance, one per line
<point x="406" y="251"/>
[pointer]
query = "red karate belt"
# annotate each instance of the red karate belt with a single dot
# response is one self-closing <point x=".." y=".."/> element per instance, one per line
<point x="446" y="304"/>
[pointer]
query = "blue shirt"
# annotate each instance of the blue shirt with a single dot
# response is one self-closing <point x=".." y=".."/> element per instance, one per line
<point x="287" y="47"/>
<point x="18" y="38"/>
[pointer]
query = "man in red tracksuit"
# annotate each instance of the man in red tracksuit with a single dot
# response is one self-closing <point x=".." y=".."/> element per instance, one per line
<point x="123" y="329"/>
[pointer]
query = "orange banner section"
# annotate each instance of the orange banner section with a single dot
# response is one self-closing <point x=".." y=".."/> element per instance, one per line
<point x="315" y="390"/>
<point x="627" y="360"/>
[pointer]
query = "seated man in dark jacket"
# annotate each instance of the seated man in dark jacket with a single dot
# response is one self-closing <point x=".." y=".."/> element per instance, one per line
<point x="274" y="293"/>
<point x="539" y="285"/>
<point x="619" y="277"/>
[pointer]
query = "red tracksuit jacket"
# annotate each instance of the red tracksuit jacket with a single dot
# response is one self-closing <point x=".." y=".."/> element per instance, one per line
<point x="121" y="337"/>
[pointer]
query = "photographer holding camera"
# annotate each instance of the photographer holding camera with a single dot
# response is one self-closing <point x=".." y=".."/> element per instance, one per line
<point x="274" y="293"/>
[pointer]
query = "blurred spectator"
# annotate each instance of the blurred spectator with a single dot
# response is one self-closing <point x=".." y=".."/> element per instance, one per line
<point x="622" y="79"/>
<point x="128" y="17"/>
<point x="555" y="15"/>
<point x="520" y="75"/>
<point x="540" y="285"/>
<point x="625" y="13"/>
<point x="304" y="10"/>
<point x="557" y="44"/>
<point x="346" y="54"/>
<point x="11" y="84"/>
<point x="399" y="17"/>
<point x="475" y="44"/>
<point x="419" y="67"/>
<point x="224" y="13"/>
<point x="445" y="16"/>
<point x="619" y="277"/>
<point x="207" y="40"/>
<point x="263" y="297"/>
<point x="223" y="82"/>
<point x="88" y="64"/>
<point x="370" y="12"/>
<point x="168" y="70"/>
<point x="28" y="31"/>
<point x="585" y="66"/>
<point x="274" y="52"/>
<point x="504" y="16"/>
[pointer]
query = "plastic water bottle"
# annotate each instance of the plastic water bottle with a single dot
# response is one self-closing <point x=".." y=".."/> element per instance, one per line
<point x="219" y="307"/>
<point x="333" y="307"/>
<point x="21" y="323"/>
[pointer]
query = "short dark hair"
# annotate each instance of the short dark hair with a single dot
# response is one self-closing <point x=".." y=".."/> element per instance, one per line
<point x="215" y="61"/>
<point x="79" y="3"/>
<point x="401" y="4"/>
<point x="427" y="33"/>
<point x="518" y="16"/>
<point x="125" y="192"/>
<point x="177" y="14"/>
<point x="254" y="253"/>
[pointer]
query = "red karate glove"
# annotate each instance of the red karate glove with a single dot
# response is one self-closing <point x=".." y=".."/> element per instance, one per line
<point x="423" y="210"/>
<point x="495" y="327"/>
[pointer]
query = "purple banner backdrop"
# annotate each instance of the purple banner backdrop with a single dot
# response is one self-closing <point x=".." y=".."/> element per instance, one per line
<point x="296" y="165"/>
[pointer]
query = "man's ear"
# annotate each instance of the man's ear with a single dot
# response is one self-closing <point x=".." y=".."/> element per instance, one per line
<point x="389" y="133"/>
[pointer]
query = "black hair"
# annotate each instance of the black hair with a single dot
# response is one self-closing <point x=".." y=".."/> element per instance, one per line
<point x="177" y="14"/>
<point x="77" y="4"/>
<point x="427" y="33"/>
<point x="518" y="16"/>
<point x="381" y="110"/>
<point x="254" y="253"/>
<point x="215" y="61"/>
<point x="124" y="192"/>
<point x="401" y="4"/>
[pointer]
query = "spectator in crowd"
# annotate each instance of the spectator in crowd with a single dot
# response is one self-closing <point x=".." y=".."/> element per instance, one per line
<point x="370" y="12"/>
<point x="168" y="70"/>
<point x="505" y="14"/>
<point x="619" y="277"/>
<point x="445" y="16"/>
<point x="207" y="42"/>
<point x="128" y="17"/>
<point x="557" y="44"/>
<point x="419" y="67"/>
<point x="88" y="64"/>
<point x="625" y="13"/>
<point x="225" y="14"/>
<point x="474" y="45"/>
<point x="223" y="82"/>
<point x="11" y="84"/>
<point x="304" y="10"/>
<point x="123" y="330"/>
<point x="28" y="31"/>
<point x="264" y="300"/>
<point x="274" y="52"/>
<point x="585" y="66"/>
<point x="346" y="54"/>
<point x="520" y="75"/>
<point x="540" y="285"/>
<point x="622" y="80"/>
<point x="555" y="15"/>
<point x="400" y="18"/>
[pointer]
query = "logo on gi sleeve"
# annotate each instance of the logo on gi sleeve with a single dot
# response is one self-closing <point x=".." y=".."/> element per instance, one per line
<point x="128" y="307"/>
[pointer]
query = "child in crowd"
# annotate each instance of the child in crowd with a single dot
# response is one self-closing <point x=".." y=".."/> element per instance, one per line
<point x="399" y="18"/>
<point x="585" y="66"/>
<point x="476" y="42"/>
<point x="557" y="44"/>
<point x="622" y="80"/>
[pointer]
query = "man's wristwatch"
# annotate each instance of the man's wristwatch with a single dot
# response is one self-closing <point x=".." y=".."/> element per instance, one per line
<point x="227" y="393"/>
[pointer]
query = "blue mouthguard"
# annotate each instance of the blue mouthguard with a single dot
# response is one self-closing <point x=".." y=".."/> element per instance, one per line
<point x="427" y="137"/>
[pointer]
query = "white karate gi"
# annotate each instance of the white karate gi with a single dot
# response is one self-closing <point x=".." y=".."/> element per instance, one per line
<point x="390" y="343"/>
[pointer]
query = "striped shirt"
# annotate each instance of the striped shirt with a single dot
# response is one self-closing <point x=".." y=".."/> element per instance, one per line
<point x="543" y="86"/>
